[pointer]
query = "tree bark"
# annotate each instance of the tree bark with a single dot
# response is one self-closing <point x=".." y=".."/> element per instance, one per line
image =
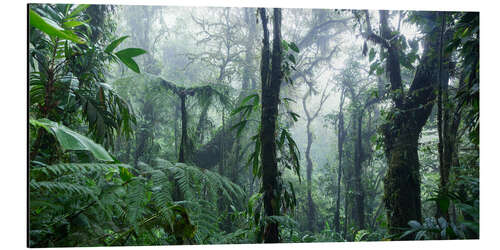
<point x="270" y="98"/>
<point x="402" y="131"/>
<point x="340" y="138"/>
<point x="447" y="129"/>
<point x="359" y="192"/>
<point x="311" y="215"/>
<point x="182" y="155"/>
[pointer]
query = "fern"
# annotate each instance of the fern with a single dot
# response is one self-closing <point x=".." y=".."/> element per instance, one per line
<point x="80" y="168"/>
<point x="200" y="188"/>
<point x="60" y="187"/>
<point x="106" y="203"/>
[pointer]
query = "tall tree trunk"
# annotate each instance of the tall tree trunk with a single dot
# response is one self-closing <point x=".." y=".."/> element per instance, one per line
<point x="359" y="208"/>
<point x="270" y="97"/>
<point x="183" y="128"/>
<point x="401" y="133"/>
<point x="346" y="204"/>
<point x="311" y="215"/>
<point x="250" y="21"/>
<point x="348" y="183"/>
<point x="222" y="164"/>
<point x="446" y="133"/>
<point x="310" y="116"/>
<point x="177" y="194"/>
<point x="340" y="136"/>
<point x="176" y="128"/>
<point x="454" y="143"/>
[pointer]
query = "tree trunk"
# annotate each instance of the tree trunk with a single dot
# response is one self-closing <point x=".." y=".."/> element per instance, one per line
<point x="446" y="128"/>
<point x="183" y="128"/>
<point x="359" y="210"/>
<point x="176" y="128"/>
<point x="348" y="182"/>
<point x="402" y="131"/>
<point x="311" y="215"/>
<point x="340" y="142"/>
<point x="222" y="164"/>
<point x="270" y="99"/>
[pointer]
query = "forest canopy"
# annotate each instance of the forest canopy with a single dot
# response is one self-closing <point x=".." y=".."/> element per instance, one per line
<point x="160" y="125"/>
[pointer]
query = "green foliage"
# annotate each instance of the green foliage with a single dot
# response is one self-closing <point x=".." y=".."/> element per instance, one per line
<point x="360" y="235"/>
<point x="467" y="223"/>
<point x="289" y="62"/>
<point x="52" y="28"/>
<point x="66" y="78"/>
<point x="465" y="43"/>
<point x="126" y="56"/>
<point x="290" y="155"/>
<point x="81" y="129"/>
<point x="71" y="140"/>
<point x="112" y="46"/>
<point x="128" y="204"/>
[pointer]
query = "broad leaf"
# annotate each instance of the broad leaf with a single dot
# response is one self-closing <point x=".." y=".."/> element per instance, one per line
<point x="78" y="9"/>
<point x="131" y="52"/>
<point x="39" y="22"/>
<point x="126" y="57"/>
<point x="112" y="46"/>
<point x="71" y="140"/>
<point x="71" y="24"/>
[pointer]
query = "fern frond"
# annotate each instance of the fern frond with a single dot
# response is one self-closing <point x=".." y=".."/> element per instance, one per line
<point x="72" y="168"/>
<point x="135" y="200"/>
<point x="60" y="187"/>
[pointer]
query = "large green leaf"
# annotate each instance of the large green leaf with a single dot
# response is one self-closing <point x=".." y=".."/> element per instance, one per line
<point x="71" y="24"/>
<point x="71" y="140"/>
<point x="51" y="29"/>
<point x="126" y="56"/>
<point x="114" y="44"/>
<point x="78" y="9"/>
<point x="131" y="52"/>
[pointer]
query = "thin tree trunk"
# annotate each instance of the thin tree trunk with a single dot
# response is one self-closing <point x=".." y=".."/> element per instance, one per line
<point x="176" y="128"/>
<point x="183" y="128"/>
<point x="222" y="151"/>
<point x="310" y="118"/>
<point x="311" y="218"/>
<point x="443" y="173"/>
<point x="448" y="129"/>
<point x="359" y="193"/>
<point x="348" y="182"/>
<point x="340" y="136"/>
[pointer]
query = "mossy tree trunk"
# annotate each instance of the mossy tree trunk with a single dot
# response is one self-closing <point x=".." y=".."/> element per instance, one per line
<point x="311" y="214"/>
<point x="182" y="147"/>
<point x="341" y="136"/>
<point x="406" y="119"/>
<point x="359" y="208"/>
<point x="447" y="127"/>
<point x="271" y="83"/>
